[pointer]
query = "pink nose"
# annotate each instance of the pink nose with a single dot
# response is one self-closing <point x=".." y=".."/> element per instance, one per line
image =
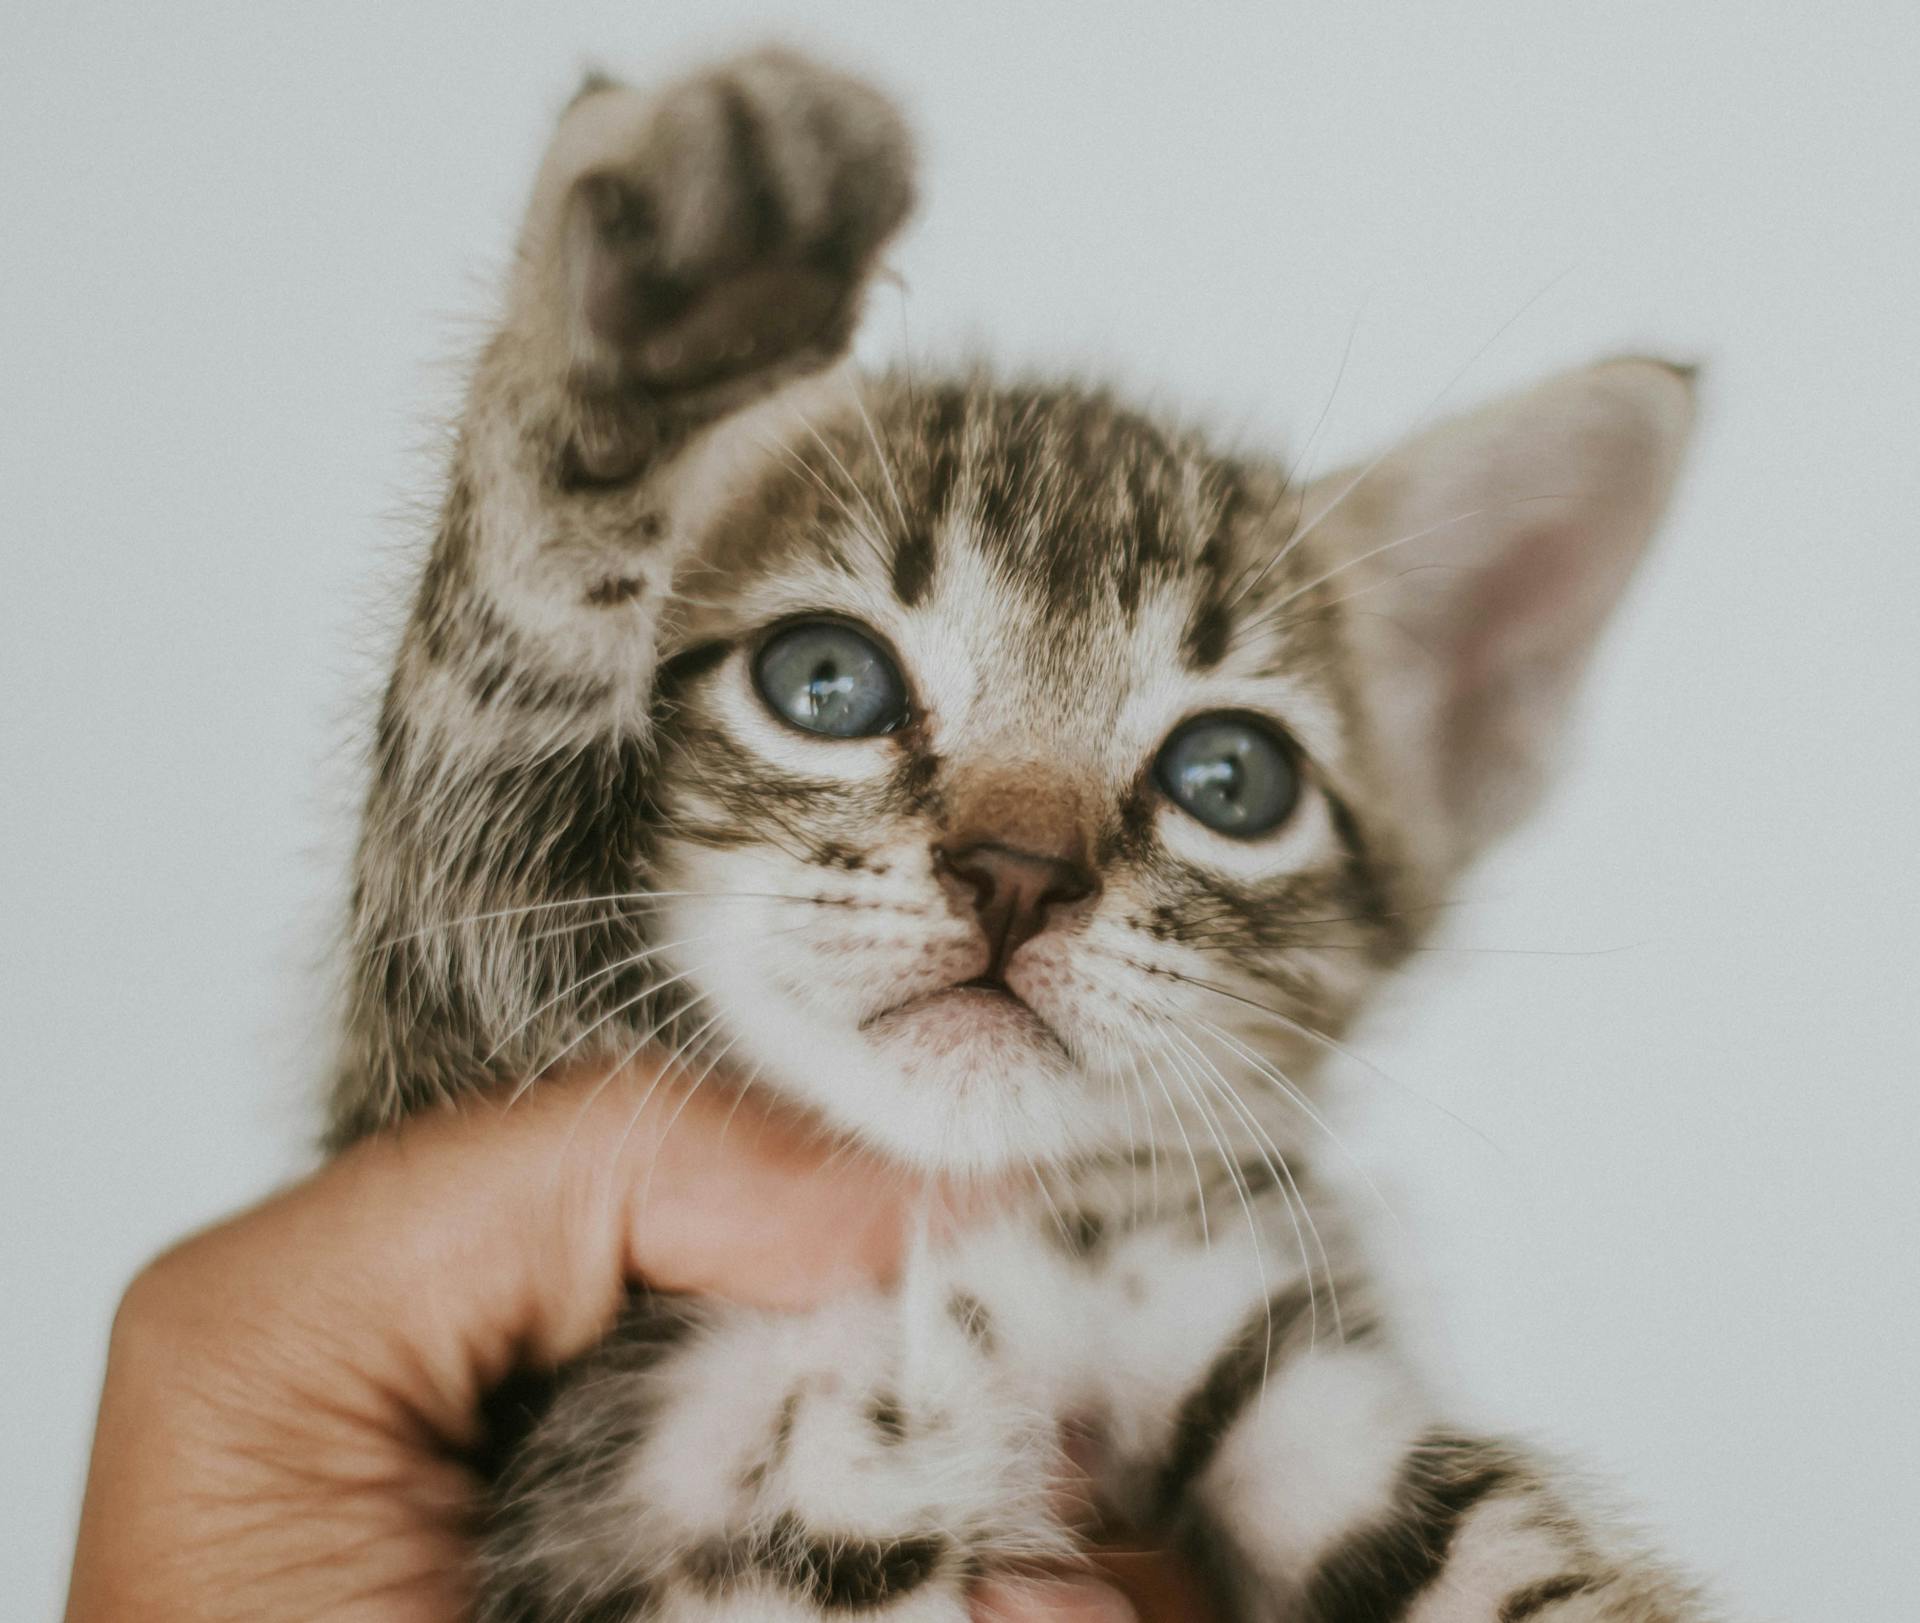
<point x="1013" y="891"/>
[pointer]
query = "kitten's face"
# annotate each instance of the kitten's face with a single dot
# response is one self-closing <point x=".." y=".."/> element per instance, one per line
<point x="1035" y="780"/>
<point x="1014" y="792"/>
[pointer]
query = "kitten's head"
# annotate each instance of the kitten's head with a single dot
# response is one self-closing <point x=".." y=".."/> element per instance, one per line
<point x="1032" y="770"/>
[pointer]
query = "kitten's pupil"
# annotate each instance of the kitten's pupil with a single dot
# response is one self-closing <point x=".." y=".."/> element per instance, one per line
<point x="826" y="685"/>
<point x="1222" y="779"/>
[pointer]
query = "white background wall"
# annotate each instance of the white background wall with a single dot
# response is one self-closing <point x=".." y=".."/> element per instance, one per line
<point x="236" y="243"/>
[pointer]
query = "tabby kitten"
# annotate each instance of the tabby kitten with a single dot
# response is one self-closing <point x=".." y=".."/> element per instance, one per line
<point x="1009" y="780"/>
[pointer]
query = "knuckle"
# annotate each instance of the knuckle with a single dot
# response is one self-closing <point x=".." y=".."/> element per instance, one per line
<point x="152" y="1307"/>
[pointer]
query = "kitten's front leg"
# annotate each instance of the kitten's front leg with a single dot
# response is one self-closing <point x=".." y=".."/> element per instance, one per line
<point x="688" y="258"/>
<point x="687" y="253"/>
<point x="1321" y="1485"/>
<point x="1261" y="1412"/>
<point x="712" y="1464"/>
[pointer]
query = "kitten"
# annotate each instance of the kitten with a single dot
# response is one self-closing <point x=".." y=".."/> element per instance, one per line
<point x="1007" y="779"/>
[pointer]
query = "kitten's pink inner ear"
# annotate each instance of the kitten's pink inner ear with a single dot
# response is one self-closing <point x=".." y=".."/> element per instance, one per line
<point x="1534" y="607"/>
<point x="1530" y="516"/>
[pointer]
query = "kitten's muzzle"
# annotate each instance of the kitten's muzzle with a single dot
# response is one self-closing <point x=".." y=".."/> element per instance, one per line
<point x="1013" y="893"/>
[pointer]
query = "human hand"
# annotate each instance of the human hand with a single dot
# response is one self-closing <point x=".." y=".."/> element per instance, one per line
<point x="288" y="1393"/>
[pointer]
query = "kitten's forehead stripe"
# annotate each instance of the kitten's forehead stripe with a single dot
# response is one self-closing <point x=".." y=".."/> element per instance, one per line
<point x="1212" y="623"/>
<point x="1090" y="502"/>
<point x="913" y="563"/>
<point x="1098" y="516"/>
<point x="938" y="428"/>
<point x="1078" y="493"/>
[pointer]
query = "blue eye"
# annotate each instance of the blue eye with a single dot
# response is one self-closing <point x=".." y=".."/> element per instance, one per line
<point x="828" y="678"/>
<point x="1230" y="772"/>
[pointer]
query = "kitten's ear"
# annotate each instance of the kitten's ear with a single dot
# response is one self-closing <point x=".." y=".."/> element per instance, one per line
<point x="1481" y="559"/>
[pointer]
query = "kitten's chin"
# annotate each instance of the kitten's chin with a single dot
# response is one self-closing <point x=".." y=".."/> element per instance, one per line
<point x="968" y="1018"/>
<point x="965" y="1080"/>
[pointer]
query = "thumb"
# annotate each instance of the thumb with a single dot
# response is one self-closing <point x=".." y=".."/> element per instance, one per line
<point x="413" y="1272"/>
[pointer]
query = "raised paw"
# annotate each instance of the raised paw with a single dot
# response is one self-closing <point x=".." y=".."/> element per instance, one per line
<point x="722" y="227"/>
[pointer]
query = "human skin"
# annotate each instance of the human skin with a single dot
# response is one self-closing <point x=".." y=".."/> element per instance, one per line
<point x="289" y="1393"/>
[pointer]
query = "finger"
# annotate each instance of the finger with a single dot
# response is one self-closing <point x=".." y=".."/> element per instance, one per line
<point x="1158" y="1587"/>
<point x="723" y="1196"/>
<point x="426" y="1264"/>
<point x="1049" y="1600"/>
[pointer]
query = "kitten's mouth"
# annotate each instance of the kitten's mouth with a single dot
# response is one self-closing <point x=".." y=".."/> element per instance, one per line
<point x="984" y="1003"/>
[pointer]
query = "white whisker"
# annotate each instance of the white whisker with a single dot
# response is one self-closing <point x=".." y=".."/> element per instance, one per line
<point x="588" y="901"/>
<point x="1293" y="1195"/>
<point x="886" y="469"/>
<point x="1332" y="1045"/>
<point x="1273" y="1074"/>
<point x="1419" y="422"/>
<point x="1299" y="462"/>
<point x="1230" y="1166"/>
<point x="1199" y="1185"/>
<point x="630" y="961"/>
<point x="1268" y="614"/>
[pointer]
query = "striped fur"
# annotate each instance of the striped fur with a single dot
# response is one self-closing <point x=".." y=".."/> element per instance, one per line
<point x="585" y="833"/>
